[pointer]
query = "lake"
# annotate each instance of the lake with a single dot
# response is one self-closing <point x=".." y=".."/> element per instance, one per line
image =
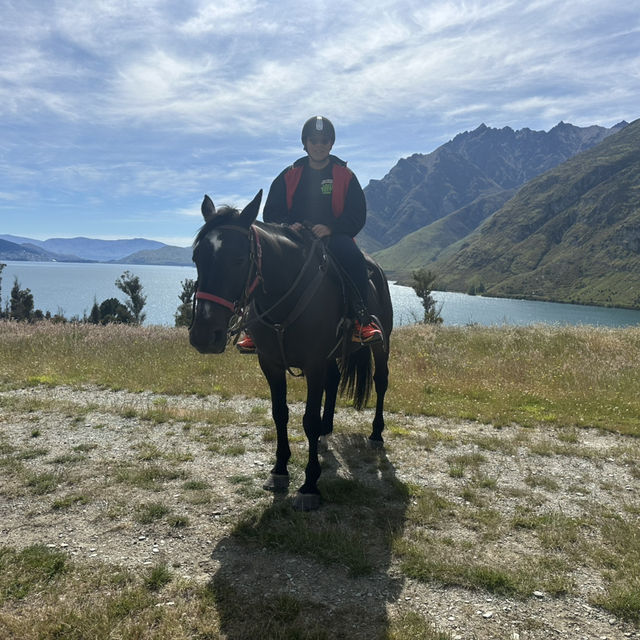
<point x="71" y="288"/>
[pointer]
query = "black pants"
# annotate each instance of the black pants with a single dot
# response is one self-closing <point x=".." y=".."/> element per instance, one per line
<point x="352" y="262"/>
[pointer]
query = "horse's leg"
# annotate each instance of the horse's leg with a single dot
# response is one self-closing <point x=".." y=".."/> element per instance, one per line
<point x="308" y="496"/>
<point x="381" y="382"/>
<point x="278" y="479"/>
<point x="332" y="381"/>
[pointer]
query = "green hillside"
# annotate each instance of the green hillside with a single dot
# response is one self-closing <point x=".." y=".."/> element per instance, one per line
<point x="424" y="246"/>
<point x="571" y="235"/>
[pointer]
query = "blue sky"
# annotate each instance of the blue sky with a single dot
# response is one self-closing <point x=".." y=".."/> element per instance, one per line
<point x="116" y="116"/>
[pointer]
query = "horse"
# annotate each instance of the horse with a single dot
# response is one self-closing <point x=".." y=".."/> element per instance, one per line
<point x="266" y="278"/>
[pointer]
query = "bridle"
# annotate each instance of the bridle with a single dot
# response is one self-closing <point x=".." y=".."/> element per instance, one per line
<point x="237" y="307"/>
<point x="255" y="260"/>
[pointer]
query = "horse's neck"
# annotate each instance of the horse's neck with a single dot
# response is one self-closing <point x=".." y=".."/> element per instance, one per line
<point x="282" y="259"/>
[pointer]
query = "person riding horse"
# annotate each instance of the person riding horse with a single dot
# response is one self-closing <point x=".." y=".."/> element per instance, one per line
<point x="261" y="276"/>
<point x="319" y="191"/>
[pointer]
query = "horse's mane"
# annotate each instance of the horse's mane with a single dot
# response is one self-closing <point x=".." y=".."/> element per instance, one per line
<point x="284" y="230"/>
<point x="226" y="215"/>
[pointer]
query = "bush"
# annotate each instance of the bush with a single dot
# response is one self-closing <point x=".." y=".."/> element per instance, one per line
<point x="112" y="310"/>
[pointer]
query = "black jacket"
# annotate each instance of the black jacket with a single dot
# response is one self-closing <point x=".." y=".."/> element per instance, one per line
<point x="295" y="196"/>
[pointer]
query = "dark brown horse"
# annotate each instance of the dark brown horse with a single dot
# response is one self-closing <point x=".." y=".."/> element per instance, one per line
<point x="286" y="291"/>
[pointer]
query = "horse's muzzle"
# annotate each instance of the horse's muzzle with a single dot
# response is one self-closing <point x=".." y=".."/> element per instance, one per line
<point x="208" y="342"/>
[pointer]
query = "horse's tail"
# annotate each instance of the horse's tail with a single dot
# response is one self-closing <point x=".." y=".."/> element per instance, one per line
<point x="356" y="377"/>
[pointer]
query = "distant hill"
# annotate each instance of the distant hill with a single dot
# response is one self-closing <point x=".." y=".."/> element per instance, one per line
<point x="422" y="189"/>
<point x="90" y="248"/>
<point x="166" y="255"/>
<point x="571" y="235"/>
<point x="31" y="253"/>
<point x="17" y="239"/>
<point x="100" y="250"/>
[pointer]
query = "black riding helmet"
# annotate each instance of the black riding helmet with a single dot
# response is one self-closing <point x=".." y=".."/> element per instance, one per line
<point x="316" y="126"/>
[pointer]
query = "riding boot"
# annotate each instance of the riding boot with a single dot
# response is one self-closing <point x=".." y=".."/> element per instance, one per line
<point x="366" y="329"/>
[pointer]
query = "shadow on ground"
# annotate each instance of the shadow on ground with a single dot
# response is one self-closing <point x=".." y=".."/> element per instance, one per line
<point x="324" y="574"/>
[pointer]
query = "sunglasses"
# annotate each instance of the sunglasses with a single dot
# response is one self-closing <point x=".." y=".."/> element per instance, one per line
<point x="319" y="139"/>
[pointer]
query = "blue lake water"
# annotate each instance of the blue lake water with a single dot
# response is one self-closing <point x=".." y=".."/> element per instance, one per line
<point x="71" y="288"/>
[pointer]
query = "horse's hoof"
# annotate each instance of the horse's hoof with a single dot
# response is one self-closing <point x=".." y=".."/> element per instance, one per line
<point x="306" y="501"/>
<point x="376" y="444"/>
<point x="323" y="444"/>
<point x="276" y="482"/>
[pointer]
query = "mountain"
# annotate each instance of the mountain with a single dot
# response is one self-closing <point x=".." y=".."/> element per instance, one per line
<point x="90" y="248"/>
<point x="422" y="189"/>
<point x="571" y="234"/>
<point x="31" y="253"/>
<point x="166" y="255"/>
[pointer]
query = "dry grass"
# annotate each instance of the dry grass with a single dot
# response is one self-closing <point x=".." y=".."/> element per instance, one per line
<point x="574" y="377"/>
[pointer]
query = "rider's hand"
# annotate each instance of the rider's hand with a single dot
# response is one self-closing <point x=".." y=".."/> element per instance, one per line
<point x="321" y="230"/>
<point x="296" y="226"/>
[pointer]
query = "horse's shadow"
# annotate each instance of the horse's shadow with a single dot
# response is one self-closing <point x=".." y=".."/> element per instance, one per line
<point x="324" y="574"/>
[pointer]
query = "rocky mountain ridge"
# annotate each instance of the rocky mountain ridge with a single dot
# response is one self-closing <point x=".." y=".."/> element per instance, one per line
<point x="571" y="234"/>
<point x="422" y="189"/>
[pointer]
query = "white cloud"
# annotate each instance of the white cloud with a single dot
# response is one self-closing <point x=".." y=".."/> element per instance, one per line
<point x="214" y="71"/>
<point x="118" y="100"/>
<point x="221" y="16"/>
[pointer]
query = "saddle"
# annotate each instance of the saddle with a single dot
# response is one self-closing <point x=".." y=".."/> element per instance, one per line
<point x="352" y="304"/>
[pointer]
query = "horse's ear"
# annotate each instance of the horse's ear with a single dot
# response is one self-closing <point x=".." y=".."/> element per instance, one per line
<point x="250" y="212"/>
<point x="208" y="208"/>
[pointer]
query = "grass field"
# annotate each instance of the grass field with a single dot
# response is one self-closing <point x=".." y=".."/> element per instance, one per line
<point x="504" y="505"/>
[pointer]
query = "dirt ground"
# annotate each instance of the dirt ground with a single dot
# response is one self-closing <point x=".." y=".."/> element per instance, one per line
<point x="91" y="437"/>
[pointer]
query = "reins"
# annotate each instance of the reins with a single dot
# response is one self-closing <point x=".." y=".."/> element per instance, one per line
<point x="301" y="304"/>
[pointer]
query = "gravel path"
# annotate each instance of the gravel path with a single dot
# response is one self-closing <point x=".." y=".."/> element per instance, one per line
<point x="93" y="440"/>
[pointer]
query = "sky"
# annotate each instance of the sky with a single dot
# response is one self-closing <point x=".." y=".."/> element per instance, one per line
<point x="117" y="116"/>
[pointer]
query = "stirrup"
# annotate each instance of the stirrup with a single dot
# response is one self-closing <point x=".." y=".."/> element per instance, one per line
<point x="246" y="345"/>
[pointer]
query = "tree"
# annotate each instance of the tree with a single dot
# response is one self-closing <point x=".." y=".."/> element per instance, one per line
<point x="130" y="285"/>
<point x="94" y="316"/>
<point x="184" y="314"/>
<point x="423" y="285"/>
<point x="21" y="302"/>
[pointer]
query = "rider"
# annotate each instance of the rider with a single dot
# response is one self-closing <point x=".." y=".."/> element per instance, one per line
<point x="321" y="192"/>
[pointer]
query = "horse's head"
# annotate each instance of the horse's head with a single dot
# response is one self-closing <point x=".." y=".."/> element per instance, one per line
<point x="222" y="255"/>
